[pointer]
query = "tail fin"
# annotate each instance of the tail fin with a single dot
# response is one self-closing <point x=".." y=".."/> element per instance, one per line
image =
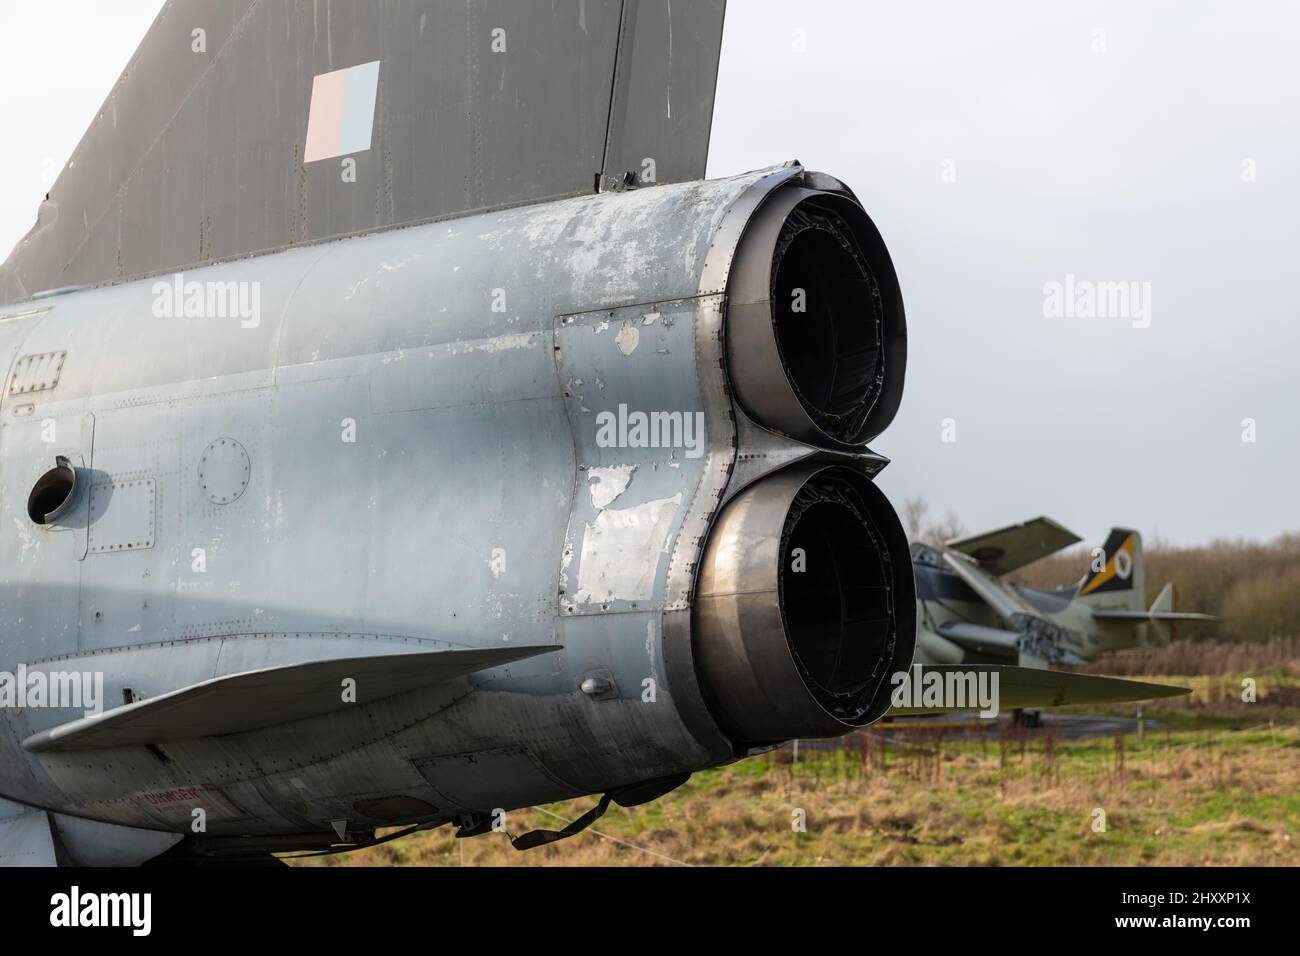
<point x="1163" y="631"/>
<point x="1116" y="578"/>
<point x="1161" y="617"/>
<point x="246" y="140"/>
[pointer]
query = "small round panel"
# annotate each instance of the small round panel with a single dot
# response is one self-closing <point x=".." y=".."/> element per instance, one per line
<point x="224" y="470"/>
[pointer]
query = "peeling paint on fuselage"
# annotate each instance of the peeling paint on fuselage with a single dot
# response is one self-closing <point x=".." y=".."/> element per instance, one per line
<point x="621" y="550"/>
<point x="629" y="336"/>
<point x="608" y="483"/>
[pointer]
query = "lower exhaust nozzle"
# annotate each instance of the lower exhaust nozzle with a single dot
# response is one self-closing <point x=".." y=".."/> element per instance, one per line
<point x="805" y="605"/>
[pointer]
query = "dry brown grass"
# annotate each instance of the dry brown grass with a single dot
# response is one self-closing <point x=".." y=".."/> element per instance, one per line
<point x="1182" y="798"/>
<point x="1207" y="658"/>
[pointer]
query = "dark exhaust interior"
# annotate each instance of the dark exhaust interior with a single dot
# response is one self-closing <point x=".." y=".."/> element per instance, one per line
<point x="835" y="596"/>
<point x="829" y="321"/>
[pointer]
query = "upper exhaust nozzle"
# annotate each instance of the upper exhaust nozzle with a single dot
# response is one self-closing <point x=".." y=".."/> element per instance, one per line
<point x="816" y="333"/>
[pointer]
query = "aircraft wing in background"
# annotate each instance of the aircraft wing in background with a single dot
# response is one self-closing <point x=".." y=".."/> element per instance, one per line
<point x="1014" y="546"/>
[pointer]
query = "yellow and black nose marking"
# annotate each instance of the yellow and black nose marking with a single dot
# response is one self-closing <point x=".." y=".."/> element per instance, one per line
<point x="1117" y="572"/>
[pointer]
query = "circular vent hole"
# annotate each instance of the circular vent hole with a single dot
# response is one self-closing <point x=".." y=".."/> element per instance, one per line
<point x="52" y="493"/>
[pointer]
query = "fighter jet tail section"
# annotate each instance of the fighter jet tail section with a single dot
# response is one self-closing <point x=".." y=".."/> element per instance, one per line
<point x="261" y="698"/>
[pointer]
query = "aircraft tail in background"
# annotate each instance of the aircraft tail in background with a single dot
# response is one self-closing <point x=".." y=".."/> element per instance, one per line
<point x="1116" y="578"/>
<point x="1115" y="589"/>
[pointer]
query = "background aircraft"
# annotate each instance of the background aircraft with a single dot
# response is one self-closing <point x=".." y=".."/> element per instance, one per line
<point x="398" y="432"/>
<point x="967" y="613"/>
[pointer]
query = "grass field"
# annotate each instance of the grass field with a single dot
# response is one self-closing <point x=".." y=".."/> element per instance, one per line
<point x="1218" y="785"/>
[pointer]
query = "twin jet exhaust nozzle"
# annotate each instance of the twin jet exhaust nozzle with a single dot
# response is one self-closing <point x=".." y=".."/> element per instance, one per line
<point x="805" y="601"/>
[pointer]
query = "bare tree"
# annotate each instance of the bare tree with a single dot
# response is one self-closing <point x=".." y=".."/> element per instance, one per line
<point x="915" y="511"/>
<point x="941" y="532"/>
<point x="916" y="517"/>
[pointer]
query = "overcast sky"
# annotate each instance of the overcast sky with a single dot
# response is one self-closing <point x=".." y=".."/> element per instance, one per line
<point x="999" y="147"/>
